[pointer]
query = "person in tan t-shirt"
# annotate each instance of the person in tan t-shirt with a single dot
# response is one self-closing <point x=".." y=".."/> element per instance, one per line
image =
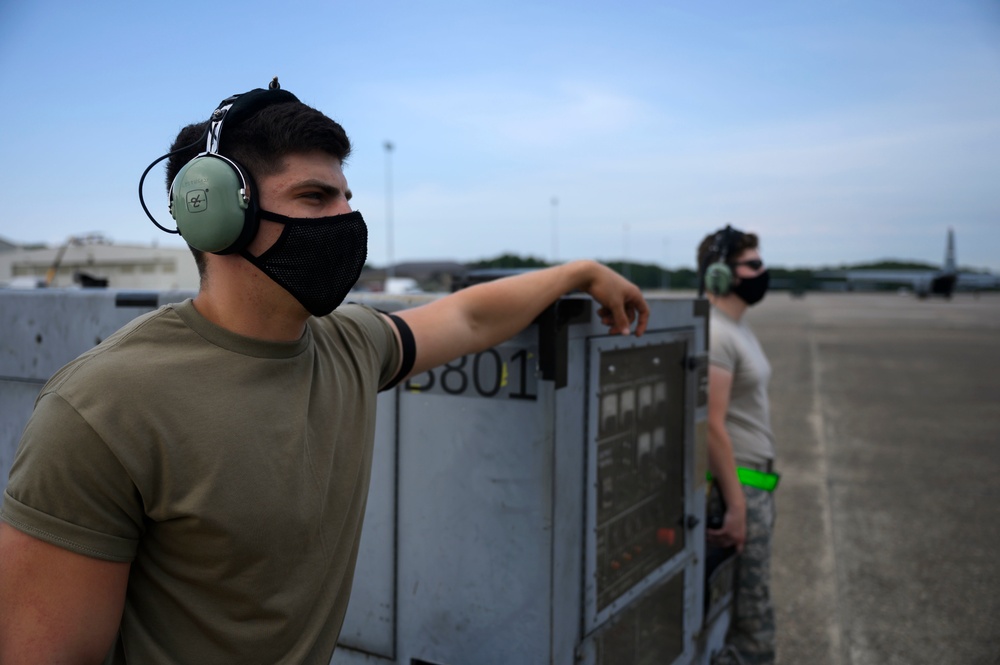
<point x="734" y="278"/>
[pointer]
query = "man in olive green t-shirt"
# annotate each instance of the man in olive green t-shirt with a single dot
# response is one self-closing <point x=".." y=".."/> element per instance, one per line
<point x="192" y="489"/>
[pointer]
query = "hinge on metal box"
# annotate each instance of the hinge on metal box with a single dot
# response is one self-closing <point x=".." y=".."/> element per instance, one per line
<point x="695" y="362"/>
<point x="553" y="335"/>
<point x="137" y="299"/>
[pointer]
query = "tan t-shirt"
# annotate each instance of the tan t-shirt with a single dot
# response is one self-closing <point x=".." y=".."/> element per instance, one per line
<point x="232" y="474"/>
<point x="734" y="348"/>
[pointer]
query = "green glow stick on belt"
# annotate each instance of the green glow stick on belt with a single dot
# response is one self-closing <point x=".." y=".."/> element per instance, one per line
<point x="762" y="480"/>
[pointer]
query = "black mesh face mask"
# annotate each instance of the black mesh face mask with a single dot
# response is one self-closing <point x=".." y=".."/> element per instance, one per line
<point x="752" y="289"/>
<point x="318" y="260"/>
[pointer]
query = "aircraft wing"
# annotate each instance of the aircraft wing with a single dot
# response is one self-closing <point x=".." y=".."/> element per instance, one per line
<point x="923" y="282"/>
<point x="910" y="277"/>
<point x="974" y="281"/>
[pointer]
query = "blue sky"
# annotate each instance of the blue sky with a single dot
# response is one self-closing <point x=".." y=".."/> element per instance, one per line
<point x="840" y="131"/>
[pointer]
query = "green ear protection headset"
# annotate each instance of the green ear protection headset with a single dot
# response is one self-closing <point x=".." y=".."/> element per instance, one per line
<point x="213" y="200"/>
<point x="718" y="276"/>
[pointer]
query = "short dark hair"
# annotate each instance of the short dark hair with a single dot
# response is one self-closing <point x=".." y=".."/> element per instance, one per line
<point x="259" y="143"/>
<point x="716" y="244"/>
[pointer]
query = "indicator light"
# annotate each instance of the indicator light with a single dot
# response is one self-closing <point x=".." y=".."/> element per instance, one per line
<point x="666" y="536"/>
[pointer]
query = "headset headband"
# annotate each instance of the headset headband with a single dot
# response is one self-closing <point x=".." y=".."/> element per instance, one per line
<point x="238" y="108"/>
<point x="723" y="244"/>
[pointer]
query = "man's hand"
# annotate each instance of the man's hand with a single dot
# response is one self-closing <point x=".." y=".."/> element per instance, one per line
<point x="733" y="532"/>
<point x="621" y="301"/>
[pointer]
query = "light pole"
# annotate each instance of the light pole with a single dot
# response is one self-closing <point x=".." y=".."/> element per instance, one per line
<point x="390" y="270"/>
<point x="555" y="230"/>
<point x="626" y="269"/>
<point x="665" y="275"/>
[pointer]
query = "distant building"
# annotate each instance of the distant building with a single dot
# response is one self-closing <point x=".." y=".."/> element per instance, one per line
<point x="428" y="276"/>
<point x="94" y="261"/>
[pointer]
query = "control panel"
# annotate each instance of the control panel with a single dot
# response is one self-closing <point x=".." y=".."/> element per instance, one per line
<point x="650" y="630"/>
<point x="639" y="401"/>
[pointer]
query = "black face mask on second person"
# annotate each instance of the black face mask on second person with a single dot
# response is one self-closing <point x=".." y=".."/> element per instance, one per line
<point x="317" y="260"/>
<point x="752" y="289"/>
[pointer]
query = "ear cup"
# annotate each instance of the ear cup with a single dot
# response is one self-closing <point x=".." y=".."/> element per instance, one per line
<point x="718" y="278"/>
<point x="212" y="205"/>
<point x="212" y="199"/>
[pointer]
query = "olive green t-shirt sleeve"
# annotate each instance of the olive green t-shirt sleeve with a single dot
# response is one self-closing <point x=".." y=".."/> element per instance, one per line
<point x="381" y="335"/>
<point x="68" y="489"/>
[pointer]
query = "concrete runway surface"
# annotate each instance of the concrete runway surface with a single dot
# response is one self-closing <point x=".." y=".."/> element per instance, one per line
<point x="886" y="411"/>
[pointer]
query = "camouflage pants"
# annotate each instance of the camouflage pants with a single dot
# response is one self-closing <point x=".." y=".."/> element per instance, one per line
<point x="751" y="633"/>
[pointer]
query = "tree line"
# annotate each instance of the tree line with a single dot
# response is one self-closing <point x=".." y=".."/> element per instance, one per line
<point x="654" y="276"/>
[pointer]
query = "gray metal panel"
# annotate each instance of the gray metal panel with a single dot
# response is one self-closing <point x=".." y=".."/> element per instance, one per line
<point x="570" y="478"/>
<point x="475" y="527"/>
<point x="474" y="541"/>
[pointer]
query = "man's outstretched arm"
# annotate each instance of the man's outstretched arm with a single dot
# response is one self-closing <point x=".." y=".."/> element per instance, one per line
<point x="56" y="606"/>
<point x="482" y="316"/>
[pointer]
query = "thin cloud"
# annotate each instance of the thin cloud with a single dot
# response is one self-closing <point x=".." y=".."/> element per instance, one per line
<point x="567" y="114"/>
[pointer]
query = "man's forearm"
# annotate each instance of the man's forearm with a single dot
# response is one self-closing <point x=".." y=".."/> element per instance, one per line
<point x="722" y="464"/>
<point x="482" y="316"/>
<point x="495" y="311"/>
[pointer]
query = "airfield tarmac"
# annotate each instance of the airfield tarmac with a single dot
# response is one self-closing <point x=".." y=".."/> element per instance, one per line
<point x="886" y="410"/>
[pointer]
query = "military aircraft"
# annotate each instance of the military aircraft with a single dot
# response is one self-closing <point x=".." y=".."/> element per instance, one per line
<point x="924" y="283"/>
